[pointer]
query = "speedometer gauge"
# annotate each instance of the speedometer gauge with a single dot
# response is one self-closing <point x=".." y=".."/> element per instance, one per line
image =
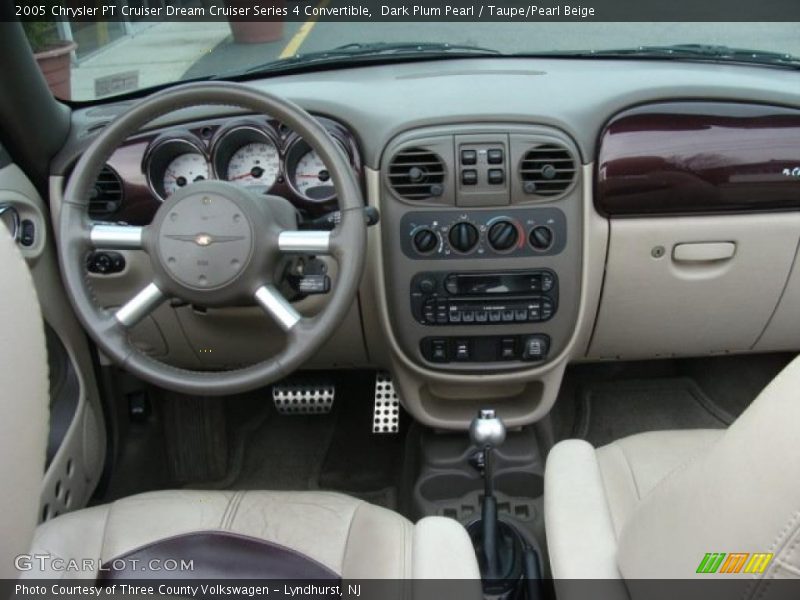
<point x="312" y="178"/>
<point x="183" y="170"/>
<point x="255" y="164"/>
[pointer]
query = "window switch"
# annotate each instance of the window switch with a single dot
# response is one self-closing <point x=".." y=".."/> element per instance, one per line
<point x="495" y="156"/>
<point x="496" y="176"/>
<point x="469" y="177"/>
<point x="469" y="157"/>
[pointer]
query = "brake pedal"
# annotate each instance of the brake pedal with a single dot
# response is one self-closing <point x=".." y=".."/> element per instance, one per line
<point x="297" y="398"/>
<point x="386" y="407"/>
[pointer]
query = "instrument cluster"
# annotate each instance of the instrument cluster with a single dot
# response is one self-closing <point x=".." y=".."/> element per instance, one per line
<point x="259" y="154"/>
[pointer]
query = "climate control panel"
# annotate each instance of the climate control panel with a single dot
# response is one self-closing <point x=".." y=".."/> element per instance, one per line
<point x="483" y="234"/>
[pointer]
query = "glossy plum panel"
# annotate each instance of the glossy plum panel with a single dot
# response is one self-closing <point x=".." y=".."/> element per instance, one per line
<point x="689" y="157"/>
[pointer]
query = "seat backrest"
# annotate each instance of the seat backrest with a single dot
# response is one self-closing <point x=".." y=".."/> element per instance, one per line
<point x="24" y="404"/>
<point x="740" y="497"/>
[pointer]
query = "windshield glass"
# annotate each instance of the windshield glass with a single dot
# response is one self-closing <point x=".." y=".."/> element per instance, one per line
<point x="106" y="58"/>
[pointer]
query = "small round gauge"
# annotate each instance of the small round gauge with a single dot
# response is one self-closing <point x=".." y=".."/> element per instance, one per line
<point x="183" y="170"/>
<point x="311" y="177"/>
<point x="255" y="164"/>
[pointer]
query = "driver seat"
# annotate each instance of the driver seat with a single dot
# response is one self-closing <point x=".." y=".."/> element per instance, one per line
<point x="226" y="534"/>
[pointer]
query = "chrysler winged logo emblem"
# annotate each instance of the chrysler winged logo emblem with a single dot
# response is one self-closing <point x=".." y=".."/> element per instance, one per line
<point x="206" y="239"/>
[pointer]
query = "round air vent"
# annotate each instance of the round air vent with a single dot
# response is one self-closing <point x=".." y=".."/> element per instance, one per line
<point x="417" y="174"/>
<point x="547" y="170"/>
<point x="106" y="196"/>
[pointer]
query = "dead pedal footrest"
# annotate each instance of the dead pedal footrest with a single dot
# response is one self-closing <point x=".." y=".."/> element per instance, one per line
<point x="299" y="398"/>
<point x="386" y="406"/>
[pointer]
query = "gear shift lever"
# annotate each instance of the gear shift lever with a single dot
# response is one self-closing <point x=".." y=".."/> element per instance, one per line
<point x="487" y="432"/>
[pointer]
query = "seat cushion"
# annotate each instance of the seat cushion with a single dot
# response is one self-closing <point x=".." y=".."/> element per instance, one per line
<point x="315" y="534"/>
<point x="633" y="466"/>
<point x="589" y="494"/>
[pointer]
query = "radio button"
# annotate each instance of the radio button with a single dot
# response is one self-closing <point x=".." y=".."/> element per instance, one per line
<point x="494" y="316"/>
<point x="455" y="315"/>
<point x="547" y="282"/>
<point x="481" y="316"/>
<point x="521" y="314"/>
<point x="451" y="284"/>
<point x="468" y="316"/>
<point x="508" y="316"/>
<point x="462" y="350"/>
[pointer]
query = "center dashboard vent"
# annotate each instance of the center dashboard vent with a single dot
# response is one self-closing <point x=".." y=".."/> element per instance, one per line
<point x="105" y="197"/>
<point x="417" y="173"/>
<point x="547" y="170"/>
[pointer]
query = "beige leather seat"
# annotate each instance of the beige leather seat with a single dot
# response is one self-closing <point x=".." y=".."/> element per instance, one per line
<point x="224" y="534"/>
<point x="295" y="535"/>
<point x="652" y="505"/>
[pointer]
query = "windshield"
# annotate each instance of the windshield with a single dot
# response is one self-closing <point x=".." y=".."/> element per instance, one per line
<point x="106" y="58"/>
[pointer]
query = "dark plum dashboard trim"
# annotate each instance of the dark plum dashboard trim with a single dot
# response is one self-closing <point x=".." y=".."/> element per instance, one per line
<point x="683" y="158"/>
<point x="139" y="201"/>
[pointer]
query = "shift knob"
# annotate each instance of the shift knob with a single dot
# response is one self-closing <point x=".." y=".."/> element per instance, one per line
<point x="487" y="429"/>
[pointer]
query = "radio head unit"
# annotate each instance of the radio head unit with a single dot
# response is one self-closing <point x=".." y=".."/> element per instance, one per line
<point x="499" y="297"/>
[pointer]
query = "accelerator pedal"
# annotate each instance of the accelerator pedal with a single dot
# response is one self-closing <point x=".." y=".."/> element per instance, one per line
<point x="386" y="407"/>
<point x="303" y="398"/>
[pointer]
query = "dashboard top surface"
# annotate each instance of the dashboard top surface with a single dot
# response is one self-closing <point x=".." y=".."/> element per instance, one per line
<point x="574" y="95"/>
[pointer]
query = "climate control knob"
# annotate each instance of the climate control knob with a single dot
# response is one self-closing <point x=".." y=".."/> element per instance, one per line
<point x="541" y="237"/>
<point x="463" y="237"/>
<point x="425" y="241"/>
<point x="503" y="236"/>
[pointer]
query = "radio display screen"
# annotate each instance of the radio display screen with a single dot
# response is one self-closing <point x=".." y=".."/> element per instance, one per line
<point x="497" y="283"/>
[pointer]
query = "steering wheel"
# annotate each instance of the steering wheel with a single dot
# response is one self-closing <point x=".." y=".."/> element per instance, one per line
<point x="214" y="244"/>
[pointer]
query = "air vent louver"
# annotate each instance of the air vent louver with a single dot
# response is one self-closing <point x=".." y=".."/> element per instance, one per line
<point x="417" y="173"/>
<point x="106" y="195"/>
<point x="547" y="170"/>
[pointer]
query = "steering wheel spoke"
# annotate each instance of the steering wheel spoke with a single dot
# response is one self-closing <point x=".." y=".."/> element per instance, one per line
<point x="278" y="307"/>
<point x="141" y="305"/>
<point x="305" y="242"/>
<point x="116" y="237"/>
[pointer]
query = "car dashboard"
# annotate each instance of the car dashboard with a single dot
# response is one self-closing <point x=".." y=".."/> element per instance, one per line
<point x="563" y="210"/>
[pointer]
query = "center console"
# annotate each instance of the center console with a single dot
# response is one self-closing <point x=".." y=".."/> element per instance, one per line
<point x="482" y="243"/>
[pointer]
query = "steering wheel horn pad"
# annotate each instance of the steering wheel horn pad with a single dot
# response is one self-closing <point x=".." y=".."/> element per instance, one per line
<point x="213" y="243"/>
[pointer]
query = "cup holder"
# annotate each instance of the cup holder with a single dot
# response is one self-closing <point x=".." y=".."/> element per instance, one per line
<point x="459" y="494"/>
<point x="448" y="486"/>
<point x="519" y="484"/>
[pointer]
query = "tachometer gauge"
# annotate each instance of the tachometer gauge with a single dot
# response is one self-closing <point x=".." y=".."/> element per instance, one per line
<point x="311" y="177"/>
<point x="183" y="170"/>
<point x="254" y="164"/>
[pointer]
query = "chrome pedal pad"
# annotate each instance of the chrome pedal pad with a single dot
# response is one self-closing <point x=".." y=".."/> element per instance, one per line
<point x="386" y="406"/>
<point x="296" y="398"/>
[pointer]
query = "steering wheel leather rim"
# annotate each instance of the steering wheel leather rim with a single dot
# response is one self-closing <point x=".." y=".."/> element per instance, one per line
<point x="75" y="240"/>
